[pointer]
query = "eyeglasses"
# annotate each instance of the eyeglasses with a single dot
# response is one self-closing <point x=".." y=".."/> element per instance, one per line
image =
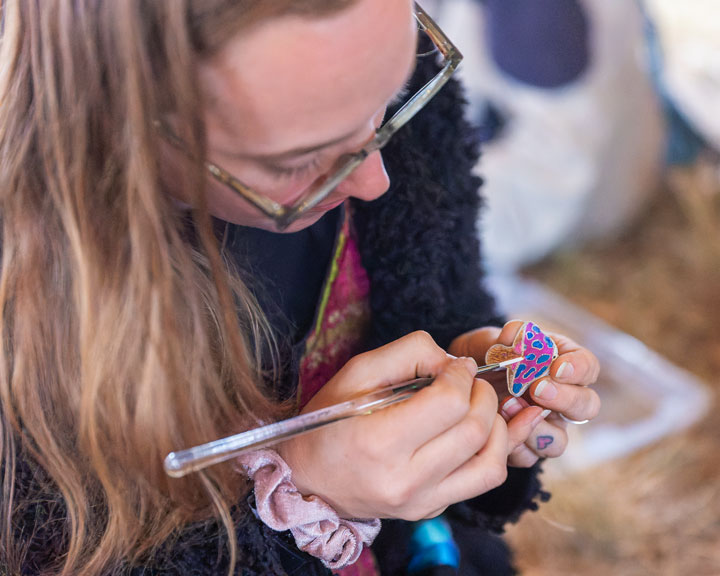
<point x="284" y="215"/>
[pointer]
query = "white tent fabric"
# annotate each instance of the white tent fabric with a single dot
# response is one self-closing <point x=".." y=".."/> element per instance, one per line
<point x="573" y="163"/>
<point x="689" y="33"/>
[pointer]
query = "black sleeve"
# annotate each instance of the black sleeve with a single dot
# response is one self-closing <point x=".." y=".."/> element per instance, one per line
<point x="41" y="527"/>
<point x="202" y="549"/>
<point x="420" y="246"/>
<point x="419" y="241"/>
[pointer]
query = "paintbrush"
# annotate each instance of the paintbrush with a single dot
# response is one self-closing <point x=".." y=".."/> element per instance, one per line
<point x="178" y="464"/>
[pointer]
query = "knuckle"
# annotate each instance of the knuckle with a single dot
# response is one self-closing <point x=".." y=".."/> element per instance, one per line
<point x="415" y="515"/>
<point x="595" y="404"/>
<point x="595" y="368"/>
<point x="483" y="418"/>
<point x="482" y="385"/>
<point x="355" y="362"/>
<point x="375" y="449"/>
<point x="587" y="365"/>
<point x="500" y="426"/>
<point x="558" y="446"/>
<point x="397" y="495"/>
<point x="422" y="338"/>
<point x="487" y="394"/>
<point x="586" y="404"/>
<point x="456" y="404"/>
<point x="523" y="457"/>
<point x="434" y="513"/>
<point x="496" y="474"/>
<point x="474" y="433"/>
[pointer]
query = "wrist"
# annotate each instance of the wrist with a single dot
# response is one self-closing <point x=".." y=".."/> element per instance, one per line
<point x="315" y="525"/>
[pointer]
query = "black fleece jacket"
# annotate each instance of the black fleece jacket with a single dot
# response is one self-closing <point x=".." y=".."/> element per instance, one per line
<point x="419" y="245"/>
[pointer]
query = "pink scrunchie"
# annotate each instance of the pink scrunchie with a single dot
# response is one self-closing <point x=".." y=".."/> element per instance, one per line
<point x="316" y="527"/>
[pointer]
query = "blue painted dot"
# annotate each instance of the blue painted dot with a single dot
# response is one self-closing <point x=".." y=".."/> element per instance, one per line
<point x="516" y="388"/>
<point x="538" y="345"/>
<point x="535" y="329"/>
<point x="549" y="342"/>
<point x="520" y="369"/>
<point x="529" y="335"/>
<point x="541" y="372"/>
<point x="530" y="356"/>
<point x="544" y="358"/>
<point x="529" y="373"/>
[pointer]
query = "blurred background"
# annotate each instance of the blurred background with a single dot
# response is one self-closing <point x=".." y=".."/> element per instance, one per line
<point x="601" y="128"/>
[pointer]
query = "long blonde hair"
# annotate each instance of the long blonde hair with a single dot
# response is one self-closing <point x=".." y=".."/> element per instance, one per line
<point x="123" y="335"/>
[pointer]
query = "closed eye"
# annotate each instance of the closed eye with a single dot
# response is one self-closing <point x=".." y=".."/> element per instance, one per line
<point x="317" y="164"/>
<point x="296" y="172"/>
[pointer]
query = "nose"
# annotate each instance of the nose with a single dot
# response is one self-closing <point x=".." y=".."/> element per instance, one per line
<point x="368" y="181"/>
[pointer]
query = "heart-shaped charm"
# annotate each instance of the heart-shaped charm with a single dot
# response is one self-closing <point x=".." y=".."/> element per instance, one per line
<point x="539" y="351"/>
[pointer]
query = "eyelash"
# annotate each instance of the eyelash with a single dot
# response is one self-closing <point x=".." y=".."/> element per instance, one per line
<point x="282" y="173"/>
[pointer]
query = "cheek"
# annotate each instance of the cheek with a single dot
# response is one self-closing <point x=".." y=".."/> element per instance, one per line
<point x="223" y="203"/>
<point x="288" y="193"/>
<point x="226" y="204"/>
<point x="379" y="117"/>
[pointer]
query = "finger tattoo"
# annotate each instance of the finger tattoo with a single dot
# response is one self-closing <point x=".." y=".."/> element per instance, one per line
<point x="544" y="441"/>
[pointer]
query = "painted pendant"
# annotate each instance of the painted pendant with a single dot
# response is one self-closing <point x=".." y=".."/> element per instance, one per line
<point x="539" y="351"/>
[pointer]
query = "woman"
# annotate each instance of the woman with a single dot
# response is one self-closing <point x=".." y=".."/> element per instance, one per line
<point x="135" y="324"/>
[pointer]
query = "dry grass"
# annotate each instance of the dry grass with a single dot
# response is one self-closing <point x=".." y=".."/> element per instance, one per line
<point x="656" y="512"/>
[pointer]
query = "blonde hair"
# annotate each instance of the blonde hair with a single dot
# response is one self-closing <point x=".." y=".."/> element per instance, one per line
<point x="123" y="335"/>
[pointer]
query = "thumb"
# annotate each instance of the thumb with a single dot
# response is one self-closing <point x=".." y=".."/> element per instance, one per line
<point x="415" y="355"/>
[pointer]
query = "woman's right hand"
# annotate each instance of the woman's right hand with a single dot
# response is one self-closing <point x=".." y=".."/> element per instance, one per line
<point x="411" y="460"/>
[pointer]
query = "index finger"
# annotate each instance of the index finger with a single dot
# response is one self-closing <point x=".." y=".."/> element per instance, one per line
<point x="415" y="355"/>
<point x="579" y="367"/>
<point x="434" y="409"/>
<point x="575" y="364"/>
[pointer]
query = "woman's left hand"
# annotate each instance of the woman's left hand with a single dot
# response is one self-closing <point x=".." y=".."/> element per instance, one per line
<point x="566" y="391"/>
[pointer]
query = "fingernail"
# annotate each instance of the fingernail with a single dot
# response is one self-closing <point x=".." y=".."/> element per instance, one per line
<point x="545" y="390"/>
<point x="450" y="356"/>
<point x="540" y="417"/>
<point x="566" y="370"/>
<point x="511" y="407"/>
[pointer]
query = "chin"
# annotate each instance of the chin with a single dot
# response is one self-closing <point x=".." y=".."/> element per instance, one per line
<point x="305" y="221"/>
<point x="236" y="211"/>
<point x="265" y="223"/>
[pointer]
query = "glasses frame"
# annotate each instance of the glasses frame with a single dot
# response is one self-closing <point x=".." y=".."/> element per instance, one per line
<point x="284" y="215"/>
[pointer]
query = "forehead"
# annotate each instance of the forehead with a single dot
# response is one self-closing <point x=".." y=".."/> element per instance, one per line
<point x="293" y="81"/>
